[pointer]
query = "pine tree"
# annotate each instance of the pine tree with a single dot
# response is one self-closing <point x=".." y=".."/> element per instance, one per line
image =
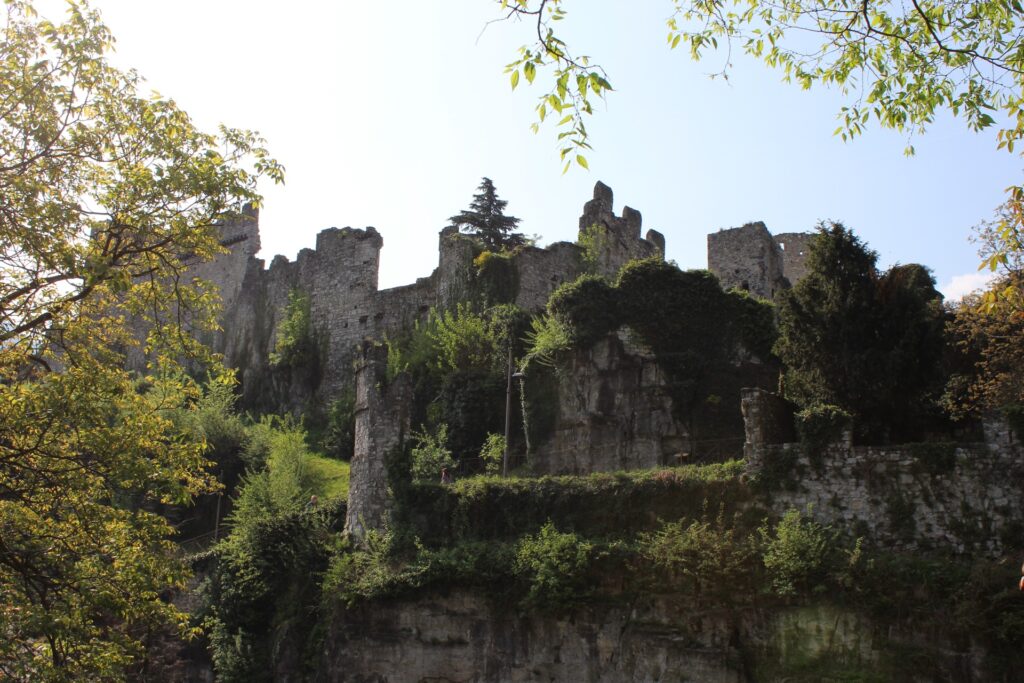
<point x="487" y="221"/>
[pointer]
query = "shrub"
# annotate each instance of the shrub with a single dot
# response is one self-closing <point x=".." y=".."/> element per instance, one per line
<point x="213" y="419"/>
<point x="462" y="341"/>
<point x="262" y="579"/>
<point x="587" y="308"/>
<point x="594" y="241"/>
<point x="288" y="479"/>
<point x="295" y="346"/>
<point x="555" y="565"/>
<point x="338" y="439"/>
<point x="546" y="339"/>
<point x="431" y="454"/>
<point x="797" y="553"/>
<point x="709" y="556"/>
<point x="497" y="278"/>
<point x="493" y="453"/>
<point x="819" y="425"/>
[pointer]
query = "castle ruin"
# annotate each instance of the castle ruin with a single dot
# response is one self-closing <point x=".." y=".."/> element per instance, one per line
<point x="346" y="306"/>
<point x="751" y="258"/>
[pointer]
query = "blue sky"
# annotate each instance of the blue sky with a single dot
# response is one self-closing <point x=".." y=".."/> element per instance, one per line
<point x="388" y="114"/>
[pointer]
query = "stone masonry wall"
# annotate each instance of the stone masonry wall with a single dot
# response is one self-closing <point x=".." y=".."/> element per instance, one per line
<point x="961" y="497"/>
<point x="747" y="258"/>
<point x="618" y="237"/>
<point x="794" y="247"/>
<point x="340" y="278"/>
<point x="464" y="636"/>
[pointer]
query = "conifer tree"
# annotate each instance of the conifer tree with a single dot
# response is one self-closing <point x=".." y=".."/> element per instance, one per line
<point x="868" y="342"/>
<point x="485" y="219"/>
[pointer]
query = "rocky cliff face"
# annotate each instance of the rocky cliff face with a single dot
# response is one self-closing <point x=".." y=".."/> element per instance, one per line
<point x="463" y="637"/>
<point x="613" y="413"/>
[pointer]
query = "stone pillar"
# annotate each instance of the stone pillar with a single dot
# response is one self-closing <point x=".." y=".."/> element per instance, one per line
<point x="752" y="408"/>
<point x="767" y="419"/>
<point x="381" y="425"/>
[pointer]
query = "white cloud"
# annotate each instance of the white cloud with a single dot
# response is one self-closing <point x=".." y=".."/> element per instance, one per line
<point x="960" y="285"/>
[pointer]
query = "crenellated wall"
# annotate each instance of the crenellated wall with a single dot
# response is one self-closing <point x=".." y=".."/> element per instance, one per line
<point x="340" y="278"/>
<point x="618" y="237"/>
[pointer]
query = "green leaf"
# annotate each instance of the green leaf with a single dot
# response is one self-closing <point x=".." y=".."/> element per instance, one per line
<point x="582" y="161"/>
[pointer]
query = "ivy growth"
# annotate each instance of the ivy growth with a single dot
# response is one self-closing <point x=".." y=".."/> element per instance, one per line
<point x="296" y="345"/>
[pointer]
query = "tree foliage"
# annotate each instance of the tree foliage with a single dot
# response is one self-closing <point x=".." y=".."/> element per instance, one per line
<point x="107" y="196"/>
<point x="870" y="344"/>
<point x="990" y="342"/>
<point x="898" y="63"/>
<point x="485" y="219"/>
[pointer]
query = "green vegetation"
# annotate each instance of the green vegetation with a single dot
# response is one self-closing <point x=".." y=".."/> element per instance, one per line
<point x="558" y="565"/>
<point x="486" y="220"/>
<point x="458" y="360"/>
<point x="108" y="194"/>
<point x="258" y="582"/>
<point x="296" y="345"/>
<point x="430" y="454"/>
<point x="819" y="425"/>
<point x="492" y="453"/>
<point x="594" y="241"/>
<point x="708" y="558"/>
<point x="587" y="309"/>
<point x="796" y="554"/>
<point x="259" y="589"/>
<point x="871" y="344"/>
<point x="496" y="280"/>
<point x="697" y="333"/>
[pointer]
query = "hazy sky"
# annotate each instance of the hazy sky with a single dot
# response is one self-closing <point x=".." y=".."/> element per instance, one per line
<point x="388" y="114"/>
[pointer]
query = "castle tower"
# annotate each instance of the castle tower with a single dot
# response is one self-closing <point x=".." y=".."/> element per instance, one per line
<point x="747" y="258"/>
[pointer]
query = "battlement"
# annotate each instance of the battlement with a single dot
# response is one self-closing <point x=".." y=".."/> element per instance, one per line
<point x="617" y="238"/>
<point x="340" y="276"/>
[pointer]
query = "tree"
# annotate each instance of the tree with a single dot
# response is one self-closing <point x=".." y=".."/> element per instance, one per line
<point x="988" y="335"/>
<point x="991" y="347"/>
<point x="871" y="344"/>
<point x="106" y="197"/>
<point x="486" y="220"/>
<point x="900" y="63"/>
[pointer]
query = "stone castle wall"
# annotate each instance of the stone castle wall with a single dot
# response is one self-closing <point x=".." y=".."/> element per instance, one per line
<point x="794" y="247"/>
<point x="340" y="278"/>
<point x="747" y="258"/>
<point x="958" y="497"/>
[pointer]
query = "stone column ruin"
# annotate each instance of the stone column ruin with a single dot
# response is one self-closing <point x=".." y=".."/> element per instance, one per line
<point x="381" y="424"/>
